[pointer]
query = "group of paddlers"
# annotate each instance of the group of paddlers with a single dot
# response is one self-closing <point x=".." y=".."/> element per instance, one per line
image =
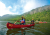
<point x="23" y="21"/>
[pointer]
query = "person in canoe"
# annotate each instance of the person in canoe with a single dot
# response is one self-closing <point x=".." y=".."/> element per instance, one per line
<point x="22" y="21"/>
<point x="32" y="22"/>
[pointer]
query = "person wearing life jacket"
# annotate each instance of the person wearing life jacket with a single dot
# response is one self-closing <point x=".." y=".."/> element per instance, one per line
<point x="32" y="22"/>
<point x="23" y="20"/>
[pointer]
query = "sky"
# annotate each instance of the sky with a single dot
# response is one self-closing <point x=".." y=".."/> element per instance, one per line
<point x="19" y="7"/>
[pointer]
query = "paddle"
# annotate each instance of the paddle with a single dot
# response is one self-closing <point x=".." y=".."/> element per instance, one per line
<point x="20" y="18"/>
<point x="17" y="20"/>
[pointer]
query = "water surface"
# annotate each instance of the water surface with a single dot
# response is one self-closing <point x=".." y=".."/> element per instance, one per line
<point x="38" y="29"/>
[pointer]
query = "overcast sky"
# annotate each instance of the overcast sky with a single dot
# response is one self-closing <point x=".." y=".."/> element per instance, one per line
<point x="20" y="6"/>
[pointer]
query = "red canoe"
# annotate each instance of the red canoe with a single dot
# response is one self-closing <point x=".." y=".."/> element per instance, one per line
<point x="42" y="22"/>
<point x="10" y="25"/>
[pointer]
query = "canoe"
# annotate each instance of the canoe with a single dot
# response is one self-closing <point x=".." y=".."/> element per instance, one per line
<point x="42" y="22"/>
<point x="10" y="25"/>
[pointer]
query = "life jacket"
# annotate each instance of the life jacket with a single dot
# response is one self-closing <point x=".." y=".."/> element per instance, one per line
<point x="32" y="22"/>
<point x="22" y="21"/>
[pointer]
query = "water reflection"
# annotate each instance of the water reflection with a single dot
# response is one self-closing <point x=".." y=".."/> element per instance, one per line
<point x="19" y="31"/>
<point x="34" y="30"/>
<point x="38" y="29"/>
<point x="16" y="31"/>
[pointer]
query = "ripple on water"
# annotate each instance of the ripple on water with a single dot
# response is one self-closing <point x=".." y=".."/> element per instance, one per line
<point x="27" y="30"/>
<point x="38" y="31"/>
<point x="27" y="33"/>
<point x="2" y="32"/>
<point x="19" y="31"/>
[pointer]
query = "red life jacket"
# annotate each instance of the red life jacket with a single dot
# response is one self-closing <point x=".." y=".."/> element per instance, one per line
<point x="22" y="21"/>
<point x="32" y="22"/>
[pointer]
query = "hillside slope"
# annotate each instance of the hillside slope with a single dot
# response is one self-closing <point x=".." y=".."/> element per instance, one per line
<point x="40" y="14"/>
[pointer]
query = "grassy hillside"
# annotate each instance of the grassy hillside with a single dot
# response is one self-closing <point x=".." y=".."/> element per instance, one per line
<point x="40" y="16"/>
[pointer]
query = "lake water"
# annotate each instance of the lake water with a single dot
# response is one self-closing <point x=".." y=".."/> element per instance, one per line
<point x="38" y="29"/>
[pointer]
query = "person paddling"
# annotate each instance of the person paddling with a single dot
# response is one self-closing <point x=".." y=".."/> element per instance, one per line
<point x="32" y="22"/>
<point x="22" y="21"/>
